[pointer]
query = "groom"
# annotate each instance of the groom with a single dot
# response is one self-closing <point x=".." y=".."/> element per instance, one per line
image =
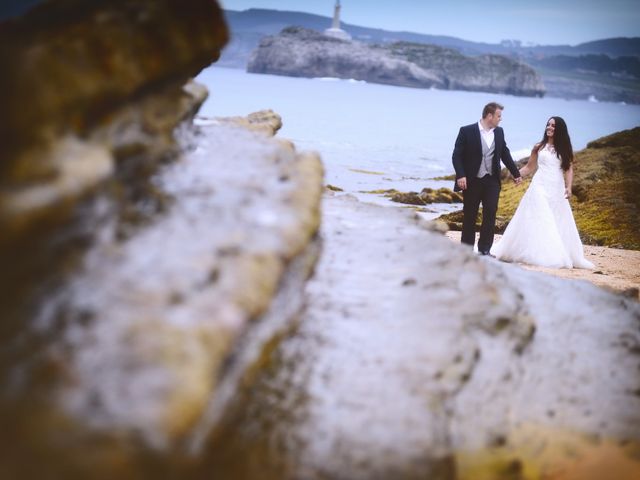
<point x="476" y="160"/>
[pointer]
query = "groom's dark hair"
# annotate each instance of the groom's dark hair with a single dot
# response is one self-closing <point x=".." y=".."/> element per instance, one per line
<point x="490" y="108"/>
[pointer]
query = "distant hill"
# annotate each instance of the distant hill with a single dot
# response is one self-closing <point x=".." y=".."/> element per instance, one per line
<point x="256" y="22"/>
<point x="620" y="67"/>
<point x="613" y="47"/>
<point x="603" y="69"/>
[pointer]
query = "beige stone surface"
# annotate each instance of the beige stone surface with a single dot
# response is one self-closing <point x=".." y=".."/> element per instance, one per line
<point x="416" y="358"/>
<point x="153" y="320"/>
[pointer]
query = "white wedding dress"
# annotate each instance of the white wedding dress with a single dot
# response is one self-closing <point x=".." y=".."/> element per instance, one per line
<point x="542" y="231"/>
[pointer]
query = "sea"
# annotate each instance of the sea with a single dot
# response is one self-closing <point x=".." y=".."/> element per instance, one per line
<point x="377" y="137"/>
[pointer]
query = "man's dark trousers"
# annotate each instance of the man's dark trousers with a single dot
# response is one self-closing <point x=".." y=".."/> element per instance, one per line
<point x="484" y="190"/>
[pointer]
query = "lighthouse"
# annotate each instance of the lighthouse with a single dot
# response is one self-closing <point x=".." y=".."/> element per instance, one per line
<point x="336" y="16"/>
<point x="335" y="31"/>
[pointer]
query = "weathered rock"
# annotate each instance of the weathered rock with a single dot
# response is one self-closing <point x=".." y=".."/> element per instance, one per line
<point x="92" y="94"/>
<point x="426" y="196"/>
<point x="486" y="73"/>
<point x="441" y="195"/>
<point x="132" y="264"/>
<point x="265" y="121"/>
<point x="432" y="362"/>
<point x="70" y="64"/>
<point x="78" y="166"/>
<point x="151" y="321"/>
<point x="300" y="52"/>
<point x="410" y="198"/>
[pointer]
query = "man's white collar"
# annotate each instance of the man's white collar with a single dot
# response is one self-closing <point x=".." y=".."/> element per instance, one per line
<point x="482" y="129"/>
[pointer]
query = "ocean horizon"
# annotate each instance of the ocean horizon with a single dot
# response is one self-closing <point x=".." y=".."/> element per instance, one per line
<point x="373" y="136"/>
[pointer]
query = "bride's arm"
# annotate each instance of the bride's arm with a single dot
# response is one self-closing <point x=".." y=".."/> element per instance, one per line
<point x="532" y="164"/>
<point x="568" y="182"/>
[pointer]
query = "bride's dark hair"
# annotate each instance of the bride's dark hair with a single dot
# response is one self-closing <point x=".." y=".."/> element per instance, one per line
<point x="561" y="142"/>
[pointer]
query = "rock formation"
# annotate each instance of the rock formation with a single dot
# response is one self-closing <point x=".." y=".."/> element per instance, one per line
<point x="425" y="197"/>
<point x="485" y="73"/>
<point x="92" y="93"/>
<point x="137" y="250"/>
<point x="300" y="52"/>
<point x="416" y="358"/>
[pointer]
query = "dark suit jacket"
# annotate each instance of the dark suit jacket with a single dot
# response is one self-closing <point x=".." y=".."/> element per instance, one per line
<point x="467" y="154"/>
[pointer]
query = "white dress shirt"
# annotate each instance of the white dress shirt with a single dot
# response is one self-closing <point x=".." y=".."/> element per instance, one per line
<point x="487" y="135"/>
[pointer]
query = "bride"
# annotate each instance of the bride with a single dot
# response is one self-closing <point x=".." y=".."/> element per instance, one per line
<point x="542" y="231"/>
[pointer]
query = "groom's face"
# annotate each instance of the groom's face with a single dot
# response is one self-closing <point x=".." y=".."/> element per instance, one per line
<point x="495" y="119"/>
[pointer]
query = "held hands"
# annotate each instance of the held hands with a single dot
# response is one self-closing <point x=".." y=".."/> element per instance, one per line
<point x="462" y="182"/>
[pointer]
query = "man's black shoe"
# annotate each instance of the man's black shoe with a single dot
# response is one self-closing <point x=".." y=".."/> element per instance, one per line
<point x="486" y="252"/>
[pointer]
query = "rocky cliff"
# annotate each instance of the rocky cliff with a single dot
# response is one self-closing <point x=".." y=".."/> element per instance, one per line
<point x="300" y="52"/>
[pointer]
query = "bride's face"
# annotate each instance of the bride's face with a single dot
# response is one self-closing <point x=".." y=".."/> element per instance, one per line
<point x="551" y="127"/>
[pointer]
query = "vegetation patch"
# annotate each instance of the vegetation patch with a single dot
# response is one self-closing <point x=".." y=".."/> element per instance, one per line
<point x="382" y="191"/>
<point x="451" y="177"/>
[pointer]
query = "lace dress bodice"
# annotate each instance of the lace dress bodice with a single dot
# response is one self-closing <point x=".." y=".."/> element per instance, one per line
<point x="549" y="174"/>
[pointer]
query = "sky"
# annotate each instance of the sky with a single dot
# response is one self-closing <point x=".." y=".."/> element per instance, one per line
<point x="543" y="22"/>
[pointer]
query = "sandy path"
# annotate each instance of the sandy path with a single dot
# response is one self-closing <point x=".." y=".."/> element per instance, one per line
<point x="616" y="269"/>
